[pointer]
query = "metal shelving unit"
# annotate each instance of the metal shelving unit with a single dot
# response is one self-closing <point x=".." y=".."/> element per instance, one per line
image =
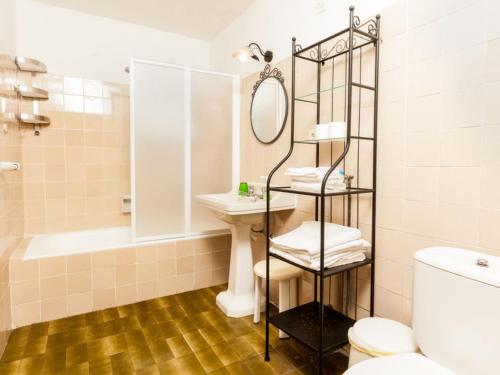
<point x="314" y="324"/>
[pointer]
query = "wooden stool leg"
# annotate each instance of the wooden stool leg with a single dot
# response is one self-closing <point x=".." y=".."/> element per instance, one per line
<point x="284" y="301"/>
<point x="293" y="293"/>
<point x="256" y="303"/>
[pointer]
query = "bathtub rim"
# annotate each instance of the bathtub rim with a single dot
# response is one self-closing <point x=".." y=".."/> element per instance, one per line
<point x="193" y="236"/>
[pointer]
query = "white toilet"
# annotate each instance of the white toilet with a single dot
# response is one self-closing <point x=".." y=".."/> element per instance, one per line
<point x="456" y="318"/>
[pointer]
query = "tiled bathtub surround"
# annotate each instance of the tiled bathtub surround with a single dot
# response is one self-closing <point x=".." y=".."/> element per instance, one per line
<point x="77" y="170"/>
<point x="50" y="288"/>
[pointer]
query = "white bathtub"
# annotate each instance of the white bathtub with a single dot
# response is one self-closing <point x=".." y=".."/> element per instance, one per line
<point x="88" y="241"/>
<point x="106" y="269"/>
<point x="51" y="245"/>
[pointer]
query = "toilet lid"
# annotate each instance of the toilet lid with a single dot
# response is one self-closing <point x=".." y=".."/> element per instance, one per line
<point x="400" y="364"/>
<point x="383" y="336"/>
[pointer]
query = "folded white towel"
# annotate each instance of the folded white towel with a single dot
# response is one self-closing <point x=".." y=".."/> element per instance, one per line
<point x="303" y="171"/>
<point x="336" y="178"/>
<point x="331" y="261"/>
<point x="351" y="246"/>
<point x="310" y="171"/>
<point x="307" y="237"/>
<point x="315" y="187"/>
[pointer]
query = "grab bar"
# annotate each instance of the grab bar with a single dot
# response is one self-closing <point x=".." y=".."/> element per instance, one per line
<point x="9" y="166"/>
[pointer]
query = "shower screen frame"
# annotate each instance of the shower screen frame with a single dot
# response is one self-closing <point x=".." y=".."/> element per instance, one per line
<point x="235" y="150"/>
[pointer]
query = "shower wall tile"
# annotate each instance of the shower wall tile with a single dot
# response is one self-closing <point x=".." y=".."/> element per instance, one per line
<point x="77" y="170"/>
<point x="424" y="11"/>
<point x="427" y="41"/>
<point x="492" y="15"/>
<point x="492" y="56"/>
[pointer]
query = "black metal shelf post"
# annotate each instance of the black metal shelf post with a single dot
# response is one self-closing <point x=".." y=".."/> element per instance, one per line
<point x="318" y="326"/>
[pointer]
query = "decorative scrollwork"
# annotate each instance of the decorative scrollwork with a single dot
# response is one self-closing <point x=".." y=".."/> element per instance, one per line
<point x="356" y="21"/>
<point x="370" y="25"/>
<point x="268" y="73"/>
<point x="298" y="48"/>
<point x="340" y="46"/>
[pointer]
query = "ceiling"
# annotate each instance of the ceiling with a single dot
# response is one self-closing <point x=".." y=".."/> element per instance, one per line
<point x="200" y="19"/>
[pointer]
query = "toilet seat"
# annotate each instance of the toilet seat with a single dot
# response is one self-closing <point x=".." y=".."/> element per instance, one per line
<point x="378" y="337"/>
<point x="400" y="364"/>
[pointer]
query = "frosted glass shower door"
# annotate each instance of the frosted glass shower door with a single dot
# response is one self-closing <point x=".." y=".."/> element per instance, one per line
<point x="212" y="143"/>
<point x="158" y="147"/>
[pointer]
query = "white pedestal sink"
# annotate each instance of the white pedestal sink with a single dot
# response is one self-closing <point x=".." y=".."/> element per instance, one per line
<point x="241" y="213"/>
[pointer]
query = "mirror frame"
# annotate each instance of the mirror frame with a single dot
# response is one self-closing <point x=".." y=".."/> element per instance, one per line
<point x="266" y="74"/>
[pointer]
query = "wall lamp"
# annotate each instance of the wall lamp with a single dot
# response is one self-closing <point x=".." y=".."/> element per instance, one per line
<point x="250" y="51"/>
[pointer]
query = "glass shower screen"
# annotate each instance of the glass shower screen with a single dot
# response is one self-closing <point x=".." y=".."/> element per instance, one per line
<point x="184" y="142"/>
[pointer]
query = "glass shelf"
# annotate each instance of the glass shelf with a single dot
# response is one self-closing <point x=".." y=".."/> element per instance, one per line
<point x="30" y="119"/>
<point x="26" y="64"/>
<point x="316" y="193"/>
<point x="312" y="95"/>
<point x="32" y="93"/>
<point x="323" y="140"/>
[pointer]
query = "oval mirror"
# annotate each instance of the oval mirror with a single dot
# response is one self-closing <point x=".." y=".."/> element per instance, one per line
<point x="269" y="107"/>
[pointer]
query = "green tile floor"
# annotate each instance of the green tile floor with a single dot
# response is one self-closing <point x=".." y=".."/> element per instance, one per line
<point x="181" y="334"/>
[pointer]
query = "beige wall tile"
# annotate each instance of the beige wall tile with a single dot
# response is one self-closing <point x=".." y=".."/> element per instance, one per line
<point x="103" y="278"/>
<point x="147" y="272"/>
<point x="489" y="235"/>
<point x="167" y="286"/>
<point x="186" y="264"/>
<point x="147" y="290"/>
<point x="184" y="282"/>
<point x="79" y="303"/>
<point x="102" y="299"/>
<point x="125" y="256"/>
<point x="53" y="287"/>
<point x="103" y="259"/>
<point x="78" y="263"/>
<point x="25" y="314"/>
<point x="80" y="282"/>
<point x="53" y="266"/>
<point x="24" y="269"/>
<point x="126" y="274"/>
<point x="23" y="292"/>
<point x="54" y="308"/>
<point x="126" y="294"/>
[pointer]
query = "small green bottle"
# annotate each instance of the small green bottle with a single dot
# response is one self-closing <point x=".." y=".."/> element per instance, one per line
<point x="243" y="189"/>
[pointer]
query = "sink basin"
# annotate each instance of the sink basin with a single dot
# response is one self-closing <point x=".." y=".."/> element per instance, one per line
<point x="233" y="204"/>
<point x="241" y="213"/>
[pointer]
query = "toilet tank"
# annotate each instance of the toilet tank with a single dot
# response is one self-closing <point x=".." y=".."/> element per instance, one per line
<point x="456" y="309"/>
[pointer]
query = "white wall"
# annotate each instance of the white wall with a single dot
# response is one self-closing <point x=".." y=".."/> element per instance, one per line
<point x="272" y="24"/>
<point x="86" y="46"/>
<point x="7" y="26"/>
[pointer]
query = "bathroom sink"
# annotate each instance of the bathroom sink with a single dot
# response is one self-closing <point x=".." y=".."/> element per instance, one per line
<point x="233" y="204"/>
<point x="241" y="213"/>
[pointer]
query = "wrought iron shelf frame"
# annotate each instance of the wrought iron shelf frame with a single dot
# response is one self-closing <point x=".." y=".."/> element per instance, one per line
<point x="314" y="324"/>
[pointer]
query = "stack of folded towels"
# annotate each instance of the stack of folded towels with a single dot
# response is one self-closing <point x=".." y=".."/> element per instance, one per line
<point x="310" y="178"/>
<point x="343" y="245"/>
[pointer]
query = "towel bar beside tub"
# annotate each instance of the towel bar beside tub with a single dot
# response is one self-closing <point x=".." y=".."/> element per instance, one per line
<point x="9" y="166"/>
